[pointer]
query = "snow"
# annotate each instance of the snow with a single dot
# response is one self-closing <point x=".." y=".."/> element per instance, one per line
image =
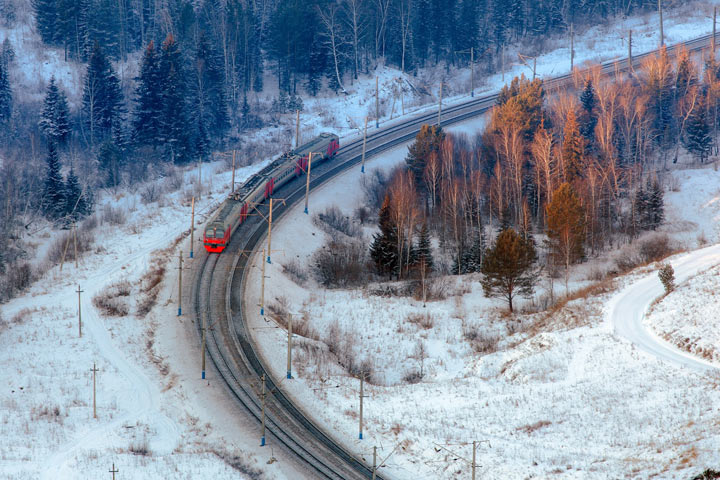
<point x="564" y="396"/>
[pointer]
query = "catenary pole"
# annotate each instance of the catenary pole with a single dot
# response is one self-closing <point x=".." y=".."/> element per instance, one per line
<point x="712" y="43"/>
<point x="94" y="371"/>
<point x="262" y="286"/>
<point x="289" y="346"/>
<point x="474" y="446"/>
<point x="630" y="62"/>
<point x="204" y="343"/>
<point x="180" y="259"/>
<point x="472" y="72"/>
<point x="377" y="102"/>
<point x="262" y="439"/>
<point x="362" y="166"/>
<point x="662" y="37"/>
<point x="192" y="228"/>
<point x="269" y="232"/>
<point x="374" y="470"/>
<point x="232" y="187"/>
<point x="572" y="47"/>
<point x="440" y="104"/>
<point x="297" y="128"/>
<point x="362" y="395"/>
<point x="113" y="471"/>
<point x="307" y="181"/>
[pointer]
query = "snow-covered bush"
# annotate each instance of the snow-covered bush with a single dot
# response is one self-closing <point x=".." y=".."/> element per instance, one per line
<point x="667" y="277"/>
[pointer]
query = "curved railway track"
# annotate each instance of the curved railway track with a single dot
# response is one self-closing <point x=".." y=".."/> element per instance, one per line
<point x="220" y="280"/>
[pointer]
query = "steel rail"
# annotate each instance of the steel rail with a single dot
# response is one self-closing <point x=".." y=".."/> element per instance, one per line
<point x="231" y="349"/>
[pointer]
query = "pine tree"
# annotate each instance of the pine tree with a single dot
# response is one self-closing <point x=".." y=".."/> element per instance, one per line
<point x="427" y="141"/>
<point x="423" y="251"/>
<point x="147" y="117"/>
<point x="588" y="117"/>
<point x="655" y="213"/>
<point x="565" y="227"/>
<point x="6" y="99"/>
<point x="384" y="247"/>
<point x="245" y="112"/>
<point x="102" y="97"/>
<point x="46" y="16"/>
<point x="174" y="111"/>
<point x="54" y="190"/>
<point x="76" y="201"/>
<point x="698" y="138"/>
<point x="54" y="121"/>
<point x="7" y="56"/>
<point x="211" y="98"/>
<point x="508" y="267"/>
<point x="573" y="150"/>
<point x="639" y="210"/>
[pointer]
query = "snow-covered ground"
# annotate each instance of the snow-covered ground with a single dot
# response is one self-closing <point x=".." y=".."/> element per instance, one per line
<point x="562" y="397"/>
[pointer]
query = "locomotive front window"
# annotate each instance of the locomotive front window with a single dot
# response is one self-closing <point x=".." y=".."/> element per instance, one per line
<point x="209" y="233"/>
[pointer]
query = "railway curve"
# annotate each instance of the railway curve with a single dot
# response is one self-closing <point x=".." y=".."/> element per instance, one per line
<point x="219" y="284"/>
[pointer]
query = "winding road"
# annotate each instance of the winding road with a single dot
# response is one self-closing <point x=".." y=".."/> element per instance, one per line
<point x="626" y="310"/>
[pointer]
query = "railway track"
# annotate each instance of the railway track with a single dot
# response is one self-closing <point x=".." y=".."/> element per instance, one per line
<point x="220" y="280"/>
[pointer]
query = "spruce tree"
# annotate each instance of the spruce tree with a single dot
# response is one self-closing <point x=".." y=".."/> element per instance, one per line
<point x="54" y="189"/>
<point x="54" y="121"/>
<point x="46" y="16"/>
<point x="508" y="267"/>
<point x="110" y="163"/>
<point x="573" y="150"/>
<point x="174" y="112"/>
<point x="655" y="212"/>
<point x="588" y="117"/>
<point x="7" y="55"/>
<point x="76" y="201"/>
<point x="147" y="117"/>
<point x="427" y="141"/>
<point x="6" y="99"/>
<point x="384" y="247"/>
<point x="102" y="98"/>
<point x="698" y="138"/>
<point x="639" y="210"/>
<point x="211" y="98"/>
<point x="565" y="227"/>
<point x="423" y="251"/>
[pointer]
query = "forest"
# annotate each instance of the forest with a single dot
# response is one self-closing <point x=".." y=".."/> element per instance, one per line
<point x="582" y="167"/>
<point x="202" y="67"/>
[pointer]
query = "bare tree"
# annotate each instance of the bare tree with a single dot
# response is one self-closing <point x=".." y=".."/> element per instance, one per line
<point x="333" y="36"/>
<point x="356" y="23"/>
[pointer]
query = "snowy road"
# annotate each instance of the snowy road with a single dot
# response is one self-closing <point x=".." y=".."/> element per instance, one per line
<point x="626" y="310"/>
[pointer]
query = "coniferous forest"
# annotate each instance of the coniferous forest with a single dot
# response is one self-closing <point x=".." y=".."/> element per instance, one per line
<point x="202" y="66"/>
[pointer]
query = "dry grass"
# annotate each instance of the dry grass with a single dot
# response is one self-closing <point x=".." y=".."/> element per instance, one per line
<point x="533" y="427"/>
<point x="424" y="321"/>
<point x="112" y="300"/>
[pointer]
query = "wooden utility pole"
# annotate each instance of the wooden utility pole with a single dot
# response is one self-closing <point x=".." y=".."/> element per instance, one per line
<point x="94" y="371"/>
<point x="502" y="61"/>
<point x="534" y="66"/>
<point x="180" y="259"/>
<point x="113" y="471"/>
<point x="307" y="181"/>
<point x="200" y="176"/>
<point x="362" y="165"/>
<point x="377" y="102"/>
<point x="662" y="37"/>
<point x="472" y="72"/>
<point x="262" y="397"/>
<point x="630" y="60"/>
<point x="269" y="231"/>
<point x="473" y="459"/>
<point x="204" y="342"/>
<point x="192" y="228"/>
<point x="362" y="395"/>
<point x="262" y="286"/>
<point x="297" y="128"/>
<point x="572" y="48"/>
<point x="374" y="470"/>
<point x="289" y="346"/>
<point x="79" y="312"/>
<point x="440" y="104"/>
<point x="232" y="187"/>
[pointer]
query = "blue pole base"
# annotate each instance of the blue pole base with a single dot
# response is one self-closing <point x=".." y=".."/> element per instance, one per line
<point x="203" y="374"/>
<point x="262" y="442"/>
<point x="289" y="375"/>
<point x="179" y="311"/>
<point x="360" y="436"/>
<point x="306" y="211"/>
<point x="191" y="254"/>
<point x="362" y="169"/>
<point x="377" y="124"/>
<point x="262" y="311"/>
<point x="268" y="259"/>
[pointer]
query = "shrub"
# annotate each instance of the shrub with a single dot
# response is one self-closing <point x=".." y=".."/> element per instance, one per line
<point x="150" y="193"/>
<point x="64" y="246"/>
<point x="109" y="300"/>
<point x="332" y="220"/>
<point x="296" y="272"/>
<point x="655" y="247"/>
<point x="667" y="277"/>
<point x="340" y="264"/>
<point x="113" y="215"/>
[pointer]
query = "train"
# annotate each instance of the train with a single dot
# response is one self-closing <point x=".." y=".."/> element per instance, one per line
<point x="258" y="188"/>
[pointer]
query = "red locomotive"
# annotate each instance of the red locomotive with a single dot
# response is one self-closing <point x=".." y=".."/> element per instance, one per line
<point x="259" y="187"/>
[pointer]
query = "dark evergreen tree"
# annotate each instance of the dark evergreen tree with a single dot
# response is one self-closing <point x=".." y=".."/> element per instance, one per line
<point x="7" y="55"/>
<point x="174" y="113"/>
<point x="499" y="21"/>
<point x="102" y="98"/>
<point x="245" y="121"/>
<point x="423" y="250"/>
<point x="639" y="210"/>
<point x="46" y="16"/>
<point x="147" y="117"/>
<point x="6" y="98"/>
<point x="53" y="203"/>
<point x="54" y="119"/>
<point x="110" y="163"/>
<point x="655" y="207"/>
<point x="588" y="115"/>
<point x="70" y="27"/>
<point x="76" y="201"/>
<point x="698" y="138"/>
<point x="384" y="247"/>
<point x="102" y="26"/>
<point x="427" y="141"/>
<point x="211" y="97"/>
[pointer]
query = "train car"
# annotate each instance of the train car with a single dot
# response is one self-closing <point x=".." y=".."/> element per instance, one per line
<point x="260" y="187"/>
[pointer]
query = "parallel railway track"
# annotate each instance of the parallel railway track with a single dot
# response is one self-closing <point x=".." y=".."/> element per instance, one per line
<point x="220" y="281"/>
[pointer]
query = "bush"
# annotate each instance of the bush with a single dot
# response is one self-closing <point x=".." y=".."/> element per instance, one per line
<point x="109" y="300"/>
<point x="340" y="264"/>
<point x="374" y="188"/>
<point x="332" y="220"/>
<point x="64" y="245"/>
<point x="296" y="272"/>
<point x="667" y="277"/>
<point x="113" y="215"/>
<point x="655" y="247"/>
